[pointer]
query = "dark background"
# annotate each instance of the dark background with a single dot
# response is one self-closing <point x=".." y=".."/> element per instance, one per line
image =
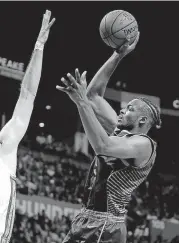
<point x="74" y="41"/>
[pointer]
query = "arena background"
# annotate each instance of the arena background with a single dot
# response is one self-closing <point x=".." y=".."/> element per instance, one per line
<point x="53" y="158"/>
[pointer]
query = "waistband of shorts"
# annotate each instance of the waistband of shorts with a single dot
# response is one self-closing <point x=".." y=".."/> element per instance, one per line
<point x="103" y="215"/>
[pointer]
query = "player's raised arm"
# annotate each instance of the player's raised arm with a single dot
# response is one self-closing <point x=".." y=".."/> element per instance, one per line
<point x="15" y="129"/>
<point x="96" y="89"/>
<point x="95" y="92"/>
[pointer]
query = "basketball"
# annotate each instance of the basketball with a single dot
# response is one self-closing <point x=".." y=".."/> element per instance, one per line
<point x="116" y="26"/>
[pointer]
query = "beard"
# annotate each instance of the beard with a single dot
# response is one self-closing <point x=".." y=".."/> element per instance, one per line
<point x="127" y="127"/>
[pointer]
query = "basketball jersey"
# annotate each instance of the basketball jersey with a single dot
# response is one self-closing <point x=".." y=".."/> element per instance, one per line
<point x="7" y="202"/>
<point x="111" y="181"/>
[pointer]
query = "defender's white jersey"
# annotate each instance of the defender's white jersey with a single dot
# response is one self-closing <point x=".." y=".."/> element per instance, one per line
<point x="7" y="202"/>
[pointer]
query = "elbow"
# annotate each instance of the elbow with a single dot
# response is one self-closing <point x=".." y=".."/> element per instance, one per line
<point x="101" y="149"/>
<point x="98" y="150"/>
<point x="110" y="127"/>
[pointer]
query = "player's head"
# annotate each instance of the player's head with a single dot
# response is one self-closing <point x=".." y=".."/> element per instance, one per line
<point x="140" y="114"/>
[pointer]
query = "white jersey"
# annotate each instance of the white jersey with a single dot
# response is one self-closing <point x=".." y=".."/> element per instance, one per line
<point x="10" y="137"/>
<point x="7" y="202"/>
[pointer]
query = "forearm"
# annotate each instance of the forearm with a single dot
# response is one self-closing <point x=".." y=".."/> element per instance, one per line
<point x="30" y="83"/>
<point x="96" y="134"/>
<point x="98" y="84"/>
<point x="105" y="114"/>
<point x="95" y="92"/>
<point x="32" y="75"/>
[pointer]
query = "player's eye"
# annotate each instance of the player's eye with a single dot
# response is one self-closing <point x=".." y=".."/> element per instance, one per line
<point x="130" y="108"/>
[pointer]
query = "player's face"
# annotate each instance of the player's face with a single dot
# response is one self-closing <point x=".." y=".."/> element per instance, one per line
<point x="128" y="118"/>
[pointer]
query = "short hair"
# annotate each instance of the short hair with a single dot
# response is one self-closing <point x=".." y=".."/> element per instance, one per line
<point x="154" y="111"/>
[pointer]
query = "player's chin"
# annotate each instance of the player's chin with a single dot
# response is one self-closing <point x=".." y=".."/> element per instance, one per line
<point x="120" y="124"/>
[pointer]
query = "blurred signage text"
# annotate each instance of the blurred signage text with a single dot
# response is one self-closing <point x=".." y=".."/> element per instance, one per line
<point x="11" y="69"/>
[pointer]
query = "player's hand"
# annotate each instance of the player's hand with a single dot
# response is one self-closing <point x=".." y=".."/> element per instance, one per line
<point x="127" y="47"/>
<point x="45" y="28"/>
<point x="75" y="87"/>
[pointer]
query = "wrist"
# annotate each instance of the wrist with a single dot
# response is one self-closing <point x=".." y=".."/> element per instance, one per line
<point x="118" y="55"/>
<point x="83" y="103"/>
<point x="39" y="46"/>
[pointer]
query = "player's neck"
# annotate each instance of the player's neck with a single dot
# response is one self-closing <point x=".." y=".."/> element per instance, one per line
<point x="139" y="130"/>
<point x="136" y="130"/>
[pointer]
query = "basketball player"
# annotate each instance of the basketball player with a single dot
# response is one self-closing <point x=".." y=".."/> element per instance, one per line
<point x="14" y="130"/>
<point x="123" y="160"/>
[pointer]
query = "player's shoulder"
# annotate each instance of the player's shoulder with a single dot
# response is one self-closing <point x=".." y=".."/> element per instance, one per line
<point x="144" y="147"/>
<point x="141" y="141"/>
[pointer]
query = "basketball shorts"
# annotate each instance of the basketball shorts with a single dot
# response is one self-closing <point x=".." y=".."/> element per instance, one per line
<point x="97" y="227"/>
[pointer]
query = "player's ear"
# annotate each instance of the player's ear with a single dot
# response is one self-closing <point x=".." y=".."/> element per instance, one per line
<point x="143" y="120"/>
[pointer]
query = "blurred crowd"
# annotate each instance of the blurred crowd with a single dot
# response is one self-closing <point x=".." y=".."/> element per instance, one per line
<point x="62" y="178"/>
<point x="155" y="201"/>
<point x="39" y="228"/>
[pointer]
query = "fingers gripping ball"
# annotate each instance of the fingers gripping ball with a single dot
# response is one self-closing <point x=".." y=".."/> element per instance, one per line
<point x="116" y="26"/>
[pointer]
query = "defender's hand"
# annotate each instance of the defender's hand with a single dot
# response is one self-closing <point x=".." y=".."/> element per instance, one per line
<point x="45" y="28"/>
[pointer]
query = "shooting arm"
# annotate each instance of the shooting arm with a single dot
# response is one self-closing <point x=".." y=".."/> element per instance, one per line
<point x="95" y="92"/>
<point x="98" y="84"/>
